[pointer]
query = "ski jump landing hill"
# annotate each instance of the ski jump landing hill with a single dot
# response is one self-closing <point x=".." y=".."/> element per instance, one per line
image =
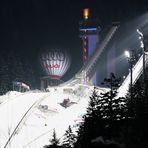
<point x="28" y="119"/>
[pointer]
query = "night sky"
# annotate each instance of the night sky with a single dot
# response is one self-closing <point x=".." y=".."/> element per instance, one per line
<point x="29" y="26"/>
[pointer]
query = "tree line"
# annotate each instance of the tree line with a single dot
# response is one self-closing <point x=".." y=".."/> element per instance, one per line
<point x="111" y="122"/>
<point x="13" y="67"/>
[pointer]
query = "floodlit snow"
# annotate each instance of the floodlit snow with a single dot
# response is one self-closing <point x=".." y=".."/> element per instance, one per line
<point x="137" y="71"/>
<point x="29" y="118"/>
<point x="34" y="115"/>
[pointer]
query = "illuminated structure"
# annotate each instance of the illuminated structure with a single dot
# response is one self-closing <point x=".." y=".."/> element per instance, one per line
<point x="55" y="64"/>
<point x="89" y="33"/>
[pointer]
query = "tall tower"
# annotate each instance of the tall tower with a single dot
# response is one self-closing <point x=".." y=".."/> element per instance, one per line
<point x="89" y="33"/>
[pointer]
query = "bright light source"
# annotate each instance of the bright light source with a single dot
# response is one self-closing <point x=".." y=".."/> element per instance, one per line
<point x="127" y="54"/>
<point x="139" y="32"/>
<point x="141" y="44"/>
<point x="86" y="13"/>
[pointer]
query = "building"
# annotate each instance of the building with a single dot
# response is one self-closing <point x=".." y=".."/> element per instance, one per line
<point x="89" y="33"/>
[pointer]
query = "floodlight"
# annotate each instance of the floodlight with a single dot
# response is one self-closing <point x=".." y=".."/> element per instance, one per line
<point x="127" y="54"/>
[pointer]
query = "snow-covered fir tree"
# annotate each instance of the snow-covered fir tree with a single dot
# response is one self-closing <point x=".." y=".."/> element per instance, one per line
<point x="69" y="138"/>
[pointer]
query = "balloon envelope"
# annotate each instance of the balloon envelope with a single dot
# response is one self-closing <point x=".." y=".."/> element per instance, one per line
<point x="55" y="63"/>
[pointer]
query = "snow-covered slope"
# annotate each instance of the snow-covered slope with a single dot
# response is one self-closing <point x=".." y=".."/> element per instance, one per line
<point x="28" y="119"/>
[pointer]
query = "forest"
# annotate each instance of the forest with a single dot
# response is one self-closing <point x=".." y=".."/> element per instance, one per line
<point x="111" y="122"/>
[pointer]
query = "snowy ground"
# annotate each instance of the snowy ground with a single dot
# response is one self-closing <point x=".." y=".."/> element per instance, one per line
<point x="29" y="118"/>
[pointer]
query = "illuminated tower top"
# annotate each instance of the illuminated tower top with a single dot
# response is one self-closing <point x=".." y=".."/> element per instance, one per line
<point x="86" y="13"/>
<point x="87" y="21"/>
<point x="89" y="29"/>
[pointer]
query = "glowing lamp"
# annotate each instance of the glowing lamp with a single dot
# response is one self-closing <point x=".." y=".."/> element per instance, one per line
<point x="127" y="54"/>
<point x="86" y="13"/>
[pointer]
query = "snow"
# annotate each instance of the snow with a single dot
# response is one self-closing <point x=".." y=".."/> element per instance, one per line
<point x="29" y="118"/>
<point x="33" y="115"/>
<point x="137" y="71"/>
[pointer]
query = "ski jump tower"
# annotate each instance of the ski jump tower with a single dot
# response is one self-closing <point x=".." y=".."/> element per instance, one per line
<point x="89" y="33"/>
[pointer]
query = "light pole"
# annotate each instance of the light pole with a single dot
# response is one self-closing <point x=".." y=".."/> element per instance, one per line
<point x="144" y="46"/>
<point x="131" y="59"/>
<point x="145" y="49"/>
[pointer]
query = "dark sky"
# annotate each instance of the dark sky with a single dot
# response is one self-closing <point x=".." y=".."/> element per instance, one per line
<point x="29" y="26"/>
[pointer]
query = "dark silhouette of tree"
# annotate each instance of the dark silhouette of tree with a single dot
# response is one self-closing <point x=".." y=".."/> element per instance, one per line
<point x="105" y="115"/>
<point x="138" y="113"/>
<point x="5" y="82"/>
<point x="114" y="109"/>
<point x="14" y="68"/>
<point x="54" y="142"/>
<point x="69" y="138"/>
<point x="87" y="129"/>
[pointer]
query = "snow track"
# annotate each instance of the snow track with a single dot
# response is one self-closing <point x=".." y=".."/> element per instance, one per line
<point x="28" y="121"/>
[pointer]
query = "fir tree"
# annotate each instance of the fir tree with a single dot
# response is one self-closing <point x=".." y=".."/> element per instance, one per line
<point x="17" y="69"/>
<point x="114" y="109"/>
<point x="138" y="113"/>
<point x="11" y="68"/>
<point x="14" y="68"/>
<point x="29" y="74"/>
<point x="69" y="138"/>
<point x="104" y="117"/>
<point x="5" y="82"/>
<point x="92" y="125"/>
<point x="54" y="142"/>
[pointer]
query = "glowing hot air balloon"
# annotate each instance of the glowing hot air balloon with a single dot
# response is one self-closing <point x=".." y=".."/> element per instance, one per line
<point x="55" y="63"/>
